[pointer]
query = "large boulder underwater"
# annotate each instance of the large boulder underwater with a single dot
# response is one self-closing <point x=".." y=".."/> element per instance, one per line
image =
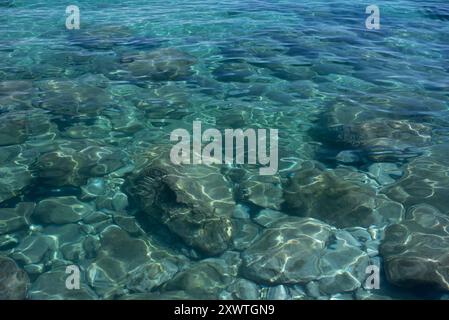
<point x="194" y="202"/>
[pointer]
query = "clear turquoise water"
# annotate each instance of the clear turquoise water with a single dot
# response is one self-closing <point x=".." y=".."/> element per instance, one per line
<point x="339" y="94"/>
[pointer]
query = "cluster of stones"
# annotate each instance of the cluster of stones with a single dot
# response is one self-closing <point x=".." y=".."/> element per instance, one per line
<point x="229" y="233"/>
<point x="409" y="200"/>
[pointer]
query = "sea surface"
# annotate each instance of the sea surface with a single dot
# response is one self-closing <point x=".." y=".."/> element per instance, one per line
<point x="91" y="207"/>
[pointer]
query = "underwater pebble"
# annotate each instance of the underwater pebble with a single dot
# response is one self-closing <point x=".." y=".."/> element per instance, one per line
<point x="245" y="232"/>
<point x="372" y="248"/>
<point x="62" y="210"/>
<point x="13" y="219"/>
<point x="409" y="251"/>
<point x="201" y="214"/>
<point x="77" y="162"/>
<point x="151" y="275"/>
<point x="262" y="191"/>
<point x="361" y="234"/>
<point x="34" y="248"/>
<point x="94" y="188"/>
<point x="341" y="282"/>
<point x="91" y="245"/>
<point x="96" y="216"/>
<point x="7" y="241"/>
<point x="112" y="199"/>
<point x="13" y="179"/>
<point x="34" y="269"/>
<point x="341" y="197"/>
<point x="425" y="181"/>
<point x="362" y="294"/>
<point x="129" y="224"/>
<point x="385" y="173"/>
<point x="243" y="289"/>
<point x="267" y="216"/>
<point x="299" y="250"/>
<point x="313" y="289"/>
<point x="14" y="282"/>
<point x="165" y="64"/>
<point x="51" y="285"/>
<point x="206" y="279"/>
<point x="119" y="255"/>
<point x="69" y="239"/>
<point x="279" y="292"/>
<point x="342" y="296"/>
<point x="347" y="237"/>
<point x="120" y="201"/>
<point x="347" y="156"/>
<point x="241" y="212"/>
<point x="297" y="292"/>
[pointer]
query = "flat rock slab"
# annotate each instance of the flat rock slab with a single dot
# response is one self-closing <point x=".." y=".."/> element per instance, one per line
<point x="296" y="250"/>
<point x="14" y="282"/>
<point x="416" y="251"/>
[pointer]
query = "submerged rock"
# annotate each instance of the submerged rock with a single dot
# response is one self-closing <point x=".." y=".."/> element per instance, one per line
<point x="416" y="251"/>
<point x="245" y="232"/>
<point x="170" y="295"/>
<point x="14" y="282"/>
<point x="230" y="71"/>
<point x="8" y="241"/>
<point x="207" y="278"/>
<point x="7" y="3"/>
<point x="13" y="219"/>
<point x="17" y="127"/>
<point x="194" y="202"/>
<point x="12" y="131"/>
<point x="365" y="128"/>
<point x="132" y="263"/>
<point x="51" y="285"/>
<point x="383" y="132"/>
<point x="287" y="70"/>
<point x="340" y="197"/>
<point x="262" y="191"/>
<point x="243" y="289"/>
<point x="62" y="210"/>
<point x="104" y="37"/>
<point x="300" y="250"/>
<point x="57" y="168"/>
<point x="386" y="139"/>
<point x="151" y="275"/>
<point x="425" y="180"/>
<point x="166" y="64"/>
<point x="279" y="292"/>
<point x="53" y="245"/>
<point x="110" y="197"/>
<point x="74" y="98"/>
<point x="266" y="217"/>
<point x="15" y="87"/>
<point x="118" y="255"/>
<point x="35" y="248"/>
<point x="74" y="163"/>
<point x="13" y="179"/>
<point x="385" y="173"/>
<point x="72" y="241"/>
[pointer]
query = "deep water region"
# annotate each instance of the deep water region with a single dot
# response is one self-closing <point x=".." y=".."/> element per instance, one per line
<point x="92" y="207"/>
